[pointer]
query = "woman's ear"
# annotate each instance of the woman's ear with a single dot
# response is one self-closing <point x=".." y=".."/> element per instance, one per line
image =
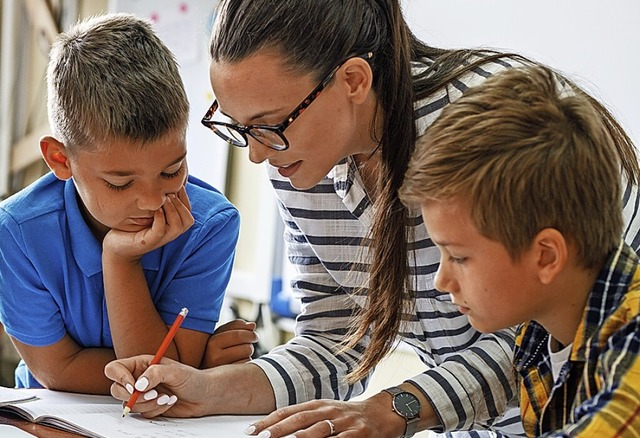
<point x="56" y="157"/>
<point x="358" y="77"/>
<point x="552" y="254"/>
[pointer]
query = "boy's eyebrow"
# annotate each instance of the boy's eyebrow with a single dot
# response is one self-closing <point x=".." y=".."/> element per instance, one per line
<point x="127" y="173"/>
<point x="442" y="242"/>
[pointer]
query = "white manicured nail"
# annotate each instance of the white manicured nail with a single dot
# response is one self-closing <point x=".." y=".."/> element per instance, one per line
<point x="142" y="384"/>
<point x="264" y="434"/>
<point x="172" y="400"/>
<point x="150" y="395"/>
<point x="250" y="429"/>
<point x="163" y="399"/>
<point x="129" y="388"/>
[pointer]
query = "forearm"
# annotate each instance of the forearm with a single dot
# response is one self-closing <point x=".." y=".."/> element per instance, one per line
<point x="82" y="372"/>
<point x="472" y="387"/>
<point x="308" y="368"/>
<point x="238" y="389"/>
<point x="136" y="326"/>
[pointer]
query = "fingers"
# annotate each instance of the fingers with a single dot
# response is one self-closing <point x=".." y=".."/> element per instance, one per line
<point x="177" y="214"/>
<point x="134" y="372"/>
<point x="230" y="343"/>
<point x="236" y="324"/>
<point x="153" y="402"/>
<point x="169" y="221"/>
<point x="317" y="418"/>
<point x="122" y="371"/>
<point x="150" y="403"/>
<point x="179" y="209"/>
<point x="184" y="199"/>
<point x="231" y="337"/>
<point x="234" y="355"/>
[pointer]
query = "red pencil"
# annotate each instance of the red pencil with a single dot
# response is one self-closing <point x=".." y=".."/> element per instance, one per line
<point x="156" y="359"/>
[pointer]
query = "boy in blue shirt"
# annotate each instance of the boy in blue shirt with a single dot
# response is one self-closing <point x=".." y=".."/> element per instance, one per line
<point x="99" y="256"/>
<point x="520" y="188"/>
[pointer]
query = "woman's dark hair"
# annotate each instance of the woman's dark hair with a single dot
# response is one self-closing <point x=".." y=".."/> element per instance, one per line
<point x="313" y="36"/>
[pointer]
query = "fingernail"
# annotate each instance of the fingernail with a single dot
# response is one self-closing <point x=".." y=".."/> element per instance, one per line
<point x="129" y="388"/>
<point x="264" y="434"/>
<point x="250" y="429"/>
<point x="163" y="399"/>
<point x="150" y="395"/>
<point x="172" y="400"/>
<point x="142" y="384"/>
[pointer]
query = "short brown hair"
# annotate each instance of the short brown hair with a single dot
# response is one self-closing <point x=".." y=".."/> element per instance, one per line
<point x="526" y="151"/>
<point x="111" y="77"/>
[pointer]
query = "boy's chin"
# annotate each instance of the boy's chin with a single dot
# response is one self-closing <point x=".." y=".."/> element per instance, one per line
<point x="485" y="326"/>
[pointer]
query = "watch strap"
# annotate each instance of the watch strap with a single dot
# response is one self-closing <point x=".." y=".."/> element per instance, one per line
<point x="394" y="390"/>
<point x="411" y="423"/>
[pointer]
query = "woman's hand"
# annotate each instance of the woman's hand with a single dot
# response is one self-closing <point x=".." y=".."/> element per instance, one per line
<point x="168" y="385"/>
<point x="370" y="418"/>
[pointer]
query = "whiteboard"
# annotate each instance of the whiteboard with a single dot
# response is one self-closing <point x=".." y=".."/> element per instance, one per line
<point x="185" y="26"/>
<point x="595" y="42"/>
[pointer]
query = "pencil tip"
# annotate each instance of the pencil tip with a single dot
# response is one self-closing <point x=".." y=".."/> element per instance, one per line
<point x="125" y="411"/>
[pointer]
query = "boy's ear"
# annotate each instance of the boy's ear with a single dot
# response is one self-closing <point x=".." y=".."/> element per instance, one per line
<point x="359" y="79"/>
<point x="56" y="157"/>
<point x="551" y="252"/>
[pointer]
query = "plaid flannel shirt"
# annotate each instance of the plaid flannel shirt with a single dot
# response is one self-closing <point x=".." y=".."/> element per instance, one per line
<point x="598" y="390"/>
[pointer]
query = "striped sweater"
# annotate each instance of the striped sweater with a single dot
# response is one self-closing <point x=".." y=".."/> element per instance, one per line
<point x="468" y="376"/>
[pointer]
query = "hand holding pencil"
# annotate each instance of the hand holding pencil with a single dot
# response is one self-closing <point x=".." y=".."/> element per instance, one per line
<point x="159" y="354"/>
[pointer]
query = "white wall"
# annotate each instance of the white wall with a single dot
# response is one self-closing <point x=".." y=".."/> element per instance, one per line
<point x="597" y="43"/>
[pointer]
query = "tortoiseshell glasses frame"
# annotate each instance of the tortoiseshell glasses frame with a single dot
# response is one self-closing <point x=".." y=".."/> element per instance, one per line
<point x="269" y="135"/>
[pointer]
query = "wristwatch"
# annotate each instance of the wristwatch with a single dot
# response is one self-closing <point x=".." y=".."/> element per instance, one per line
<point x="407" y="406"/>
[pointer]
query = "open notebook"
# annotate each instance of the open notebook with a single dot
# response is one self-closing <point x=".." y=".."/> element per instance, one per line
<point x="101" y="416"/>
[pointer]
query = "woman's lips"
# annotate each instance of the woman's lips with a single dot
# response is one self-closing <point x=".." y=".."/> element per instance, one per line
<point x="288" y="171"/>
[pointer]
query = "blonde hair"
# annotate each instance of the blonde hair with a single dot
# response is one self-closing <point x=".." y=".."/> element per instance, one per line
<point x="527" y="151"/>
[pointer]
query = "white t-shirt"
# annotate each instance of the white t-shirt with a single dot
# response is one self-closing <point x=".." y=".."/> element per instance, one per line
<point x="558" y="358"/>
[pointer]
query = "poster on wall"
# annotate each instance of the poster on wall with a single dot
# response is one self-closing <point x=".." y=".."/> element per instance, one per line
<point x="185" y="26"/>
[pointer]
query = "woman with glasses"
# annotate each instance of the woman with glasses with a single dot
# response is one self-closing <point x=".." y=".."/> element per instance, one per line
<point x="332" y="95"/>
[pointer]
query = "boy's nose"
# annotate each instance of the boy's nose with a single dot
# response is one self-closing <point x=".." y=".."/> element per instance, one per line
<point x="152" y="199"/>
<point x="443" y="282"/>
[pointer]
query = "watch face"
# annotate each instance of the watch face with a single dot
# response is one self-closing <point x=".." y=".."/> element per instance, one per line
<point x="407" y="404"/>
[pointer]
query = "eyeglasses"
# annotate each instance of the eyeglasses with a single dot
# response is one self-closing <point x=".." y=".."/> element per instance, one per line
<point x="269" y="135"/>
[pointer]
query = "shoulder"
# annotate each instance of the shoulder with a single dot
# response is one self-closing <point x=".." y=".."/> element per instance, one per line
<point x="428" y="109"/>
<point x="39" y="200"/>
<point x="629" y="308"/>
<point x="207" y="202"/>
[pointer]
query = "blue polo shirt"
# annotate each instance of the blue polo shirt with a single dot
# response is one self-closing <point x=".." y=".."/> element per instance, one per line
<point x="51" y="267"/>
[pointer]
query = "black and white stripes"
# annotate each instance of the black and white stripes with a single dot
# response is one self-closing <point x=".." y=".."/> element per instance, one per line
<point x="468" y="376"/>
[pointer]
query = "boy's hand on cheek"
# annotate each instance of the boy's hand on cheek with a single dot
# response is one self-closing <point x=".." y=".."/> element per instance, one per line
<point x="170" y="221"/>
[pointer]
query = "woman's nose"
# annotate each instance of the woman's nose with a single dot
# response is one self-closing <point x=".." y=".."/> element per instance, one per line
<point x="258" y="152"/>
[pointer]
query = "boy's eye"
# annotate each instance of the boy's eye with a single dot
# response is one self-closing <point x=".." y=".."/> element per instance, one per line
<point x="118" y="187"/>
<point x="458" y="260"/>
<point x="169" y="175"/>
